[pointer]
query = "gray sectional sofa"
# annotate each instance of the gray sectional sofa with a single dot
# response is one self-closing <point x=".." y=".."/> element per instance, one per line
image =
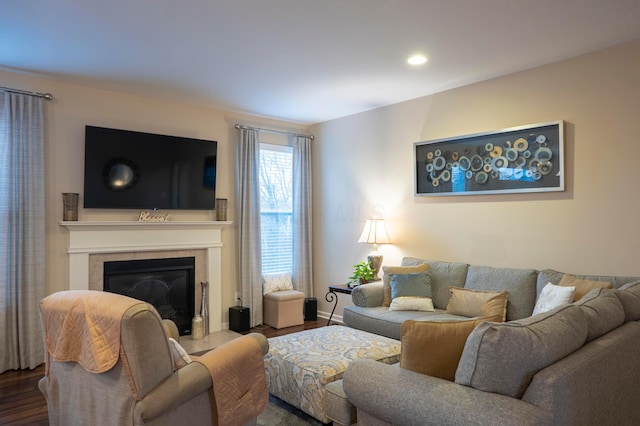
<point x="574" y="365"/>
<point x="523" y="285"/>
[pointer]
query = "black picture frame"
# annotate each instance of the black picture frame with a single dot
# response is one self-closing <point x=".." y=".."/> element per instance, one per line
<point x="519" y="159"/>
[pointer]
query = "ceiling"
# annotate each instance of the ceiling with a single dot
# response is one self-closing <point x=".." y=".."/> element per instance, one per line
<point x="304" y="61"/>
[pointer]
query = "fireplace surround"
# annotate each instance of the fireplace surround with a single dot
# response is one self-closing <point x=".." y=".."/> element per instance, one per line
<point x="93" y="243"/>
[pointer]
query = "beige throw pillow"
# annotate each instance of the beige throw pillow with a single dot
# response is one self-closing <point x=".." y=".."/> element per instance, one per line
<point x="412" y="303"/>
<point x="386" y="280"/>
<point x="477" y="303"/>
<point x="434" y="348"/>
<point x="582" y="286"/>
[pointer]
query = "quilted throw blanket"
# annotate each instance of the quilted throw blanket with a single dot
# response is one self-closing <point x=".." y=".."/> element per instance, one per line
<point x="84" y="326"/>
<point x="239" y="382"/>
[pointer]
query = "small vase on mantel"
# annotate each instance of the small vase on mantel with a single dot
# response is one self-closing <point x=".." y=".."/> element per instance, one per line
<point x="204" y="308"/>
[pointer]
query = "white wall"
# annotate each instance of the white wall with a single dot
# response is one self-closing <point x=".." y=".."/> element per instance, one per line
<point x="364" y="164"/>
<point x="75" y="106"/>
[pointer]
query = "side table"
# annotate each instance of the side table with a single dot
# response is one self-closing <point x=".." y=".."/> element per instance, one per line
<point x="332" y="296"/>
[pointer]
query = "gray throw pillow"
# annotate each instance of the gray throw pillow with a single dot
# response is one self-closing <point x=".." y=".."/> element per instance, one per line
<point x="414" y="284"/>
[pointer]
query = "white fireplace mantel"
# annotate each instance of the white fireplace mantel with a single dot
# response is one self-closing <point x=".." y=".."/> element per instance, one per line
<point x="87" y="238"/>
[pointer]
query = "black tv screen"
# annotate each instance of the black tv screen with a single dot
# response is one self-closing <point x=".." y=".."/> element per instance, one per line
<point x="133" y="170"/>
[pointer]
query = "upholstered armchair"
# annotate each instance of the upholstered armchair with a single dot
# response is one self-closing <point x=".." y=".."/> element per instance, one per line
<point x="109" y="362"/>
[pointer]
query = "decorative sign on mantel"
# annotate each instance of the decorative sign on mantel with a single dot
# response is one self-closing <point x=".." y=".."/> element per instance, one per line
<point x="148" y="217"/>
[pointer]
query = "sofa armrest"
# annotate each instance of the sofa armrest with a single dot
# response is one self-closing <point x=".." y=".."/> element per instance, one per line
<point x="181" y="386"/>
<point x="262" y="341"/>
<point x="368" y="295"/>
<point x="399" y="396"/>
<point x="172" y="329"/>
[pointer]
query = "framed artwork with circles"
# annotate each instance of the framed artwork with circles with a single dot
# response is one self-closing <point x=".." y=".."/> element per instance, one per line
<point x="518" y="159"/>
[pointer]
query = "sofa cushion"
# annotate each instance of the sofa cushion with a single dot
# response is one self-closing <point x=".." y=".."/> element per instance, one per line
<point x="582" y="286"/>
<point x="553" y="296"/>
<point x="520" y="283"/>
<point x="417" y="284"/>
<point x="554" y="277"/>
<point x="412" y="304"/>
<point x="386" y="279"/>
<point x="434" y="348"/>
<point x="379" y="320"/>
<point x="603" y="310"/>
<point x="337" y="405"/>
<point x="477" y="303"/>
<point x="629" y="295"/>
<point x="443" y="276"/>
<point x="503" y="358"/>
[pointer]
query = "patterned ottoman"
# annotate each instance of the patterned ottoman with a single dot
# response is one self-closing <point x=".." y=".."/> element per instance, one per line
<point x="299" y="365"/>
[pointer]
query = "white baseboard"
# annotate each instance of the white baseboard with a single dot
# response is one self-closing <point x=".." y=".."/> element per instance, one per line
<point x="335" y="318"/>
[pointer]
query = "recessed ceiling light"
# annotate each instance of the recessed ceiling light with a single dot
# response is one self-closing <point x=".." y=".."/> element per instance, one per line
<point x="417" y="59"/>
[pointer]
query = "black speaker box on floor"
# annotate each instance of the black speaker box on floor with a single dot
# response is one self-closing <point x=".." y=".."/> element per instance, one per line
<point x="310" y="309"/>
<point x="239" y="319"/>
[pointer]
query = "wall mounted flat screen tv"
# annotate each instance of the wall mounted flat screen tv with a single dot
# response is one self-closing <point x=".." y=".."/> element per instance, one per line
<point x="133" y="170"/>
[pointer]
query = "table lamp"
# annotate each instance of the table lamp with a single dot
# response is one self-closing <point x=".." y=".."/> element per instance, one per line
<point x="374" y="233"/>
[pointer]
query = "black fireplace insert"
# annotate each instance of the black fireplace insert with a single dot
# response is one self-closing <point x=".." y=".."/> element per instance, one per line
<point x="167" y="284"/>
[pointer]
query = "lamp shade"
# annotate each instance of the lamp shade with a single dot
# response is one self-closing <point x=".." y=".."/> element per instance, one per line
<point x="374" y="232"/>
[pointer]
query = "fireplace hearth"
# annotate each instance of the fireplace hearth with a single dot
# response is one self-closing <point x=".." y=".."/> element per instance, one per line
<point x="168" y="284"/>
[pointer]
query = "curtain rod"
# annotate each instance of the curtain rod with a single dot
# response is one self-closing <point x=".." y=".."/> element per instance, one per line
<point x="47" y="96"/>
<point x="240" y="126"/>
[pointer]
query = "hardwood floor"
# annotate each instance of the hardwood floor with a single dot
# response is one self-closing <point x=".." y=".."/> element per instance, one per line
<point x="22" y="403"/>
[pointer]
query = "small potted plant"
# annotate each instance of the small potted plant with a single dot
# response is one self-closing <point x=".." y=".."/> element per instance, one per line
<point x="362" y="273"/>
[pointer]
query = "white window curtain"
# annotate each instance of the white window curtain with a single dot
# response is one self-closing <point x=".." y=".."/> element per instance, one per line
<point x="22" y="224"/>
<point x="302" y="224"/>
<point x="249" y="262"/>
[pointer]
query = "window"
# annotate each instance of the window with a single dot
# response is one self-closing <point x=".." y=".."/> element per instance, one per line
<point x="275" y="208"/>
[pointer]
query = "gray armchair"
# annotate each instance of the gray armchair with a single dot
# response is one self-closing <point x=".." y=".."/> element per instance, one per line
<point x="109" y="362"/>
